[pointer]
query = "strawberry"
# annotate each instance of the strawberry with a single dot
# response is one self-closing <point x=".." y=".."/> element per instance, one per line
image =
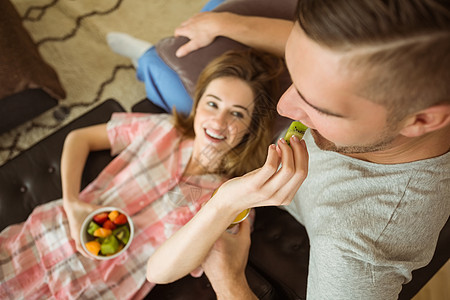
<point x="109" y="225"/>
<point x="120" y="220"/>
<point x="101" y="218"/>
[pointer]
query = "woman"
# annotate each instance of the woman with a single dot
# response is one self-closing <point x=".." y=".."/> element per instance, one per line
<point x="167" y="168"/>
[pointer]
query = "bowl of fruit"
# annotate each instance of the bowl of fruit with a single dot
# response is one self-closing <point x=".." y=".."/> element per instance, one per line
<point x="106" y="233"/>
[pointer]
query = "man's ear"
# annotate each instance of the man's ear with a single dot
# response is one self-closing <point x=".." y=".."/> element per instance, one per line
<point x="427" y="120"/>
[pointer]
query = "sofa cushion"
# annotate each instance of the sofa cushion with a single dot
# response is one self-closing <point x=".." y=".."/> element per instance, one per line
<point x="190" y="66"/>
<point x="21" y="65"/>
<point x="280" y="251"/>
<point x="34" y="177"/>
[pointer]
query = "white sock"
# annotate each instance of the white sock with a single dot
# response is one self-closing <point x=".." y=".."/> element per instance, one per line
<point x="126" y="45"/>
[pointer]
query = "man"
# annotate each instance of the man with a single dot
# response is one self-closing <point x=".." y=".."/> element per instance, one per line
<point x="371" y="80"/>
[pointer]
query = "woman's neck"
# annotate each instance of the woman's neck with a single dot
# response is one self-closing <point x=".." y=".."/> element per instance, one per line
<point x="196" y="167"/>
<point x="201" y="162"/>
<point x="193" y="168"/>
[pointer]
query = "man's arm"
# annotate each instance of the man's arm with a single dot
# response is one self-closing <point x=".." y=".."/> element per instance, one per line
<point x="267" y="34"/>
<point x="225" y="265"/>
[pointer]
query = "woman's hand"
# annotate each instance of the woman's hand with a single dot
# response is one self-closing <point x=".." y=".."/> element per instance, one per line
<point x="269" y="185"/>
<point x="76" y="212"/>
<point x="201" y="30"/>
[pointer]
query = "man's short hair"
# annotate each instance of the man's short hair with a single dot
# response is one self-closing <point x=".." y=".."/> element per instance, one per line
<point x="398" y="49"/>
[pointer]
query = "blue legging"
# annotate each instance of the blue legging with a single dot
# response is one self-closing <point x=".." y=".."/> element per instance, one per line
<point x="162" y="84"/>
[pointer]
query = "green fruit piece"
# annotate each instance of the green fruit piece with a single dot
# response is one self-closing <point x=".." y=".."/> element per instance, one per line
<point x="122" y="233"/>
<point x="296" y="128"/>
<point x="110" y="245"/>
<point x="92" y="227"/>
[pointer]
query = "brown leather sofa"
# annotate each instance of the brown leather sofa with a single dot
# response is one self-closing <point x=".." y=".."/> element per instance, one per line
<point x="278" y="260"/>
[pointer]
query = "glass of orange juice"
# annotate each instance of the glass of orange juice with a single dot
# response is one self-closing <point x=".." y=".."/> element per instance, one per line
<point x="240" y="217"/>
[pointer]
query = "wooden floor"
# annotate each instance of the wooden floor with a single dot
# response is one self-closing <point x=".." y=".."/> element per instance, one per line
<point x="438" y="288"/>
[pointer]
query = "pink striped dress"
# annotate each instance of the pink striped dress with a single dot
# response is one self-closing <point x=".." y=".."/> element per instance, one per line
<point x="38" y="259"/>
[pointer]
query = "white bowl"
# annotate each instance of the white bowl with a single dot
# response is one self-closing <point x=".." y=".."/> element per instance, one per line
<point x="85" y="237"/>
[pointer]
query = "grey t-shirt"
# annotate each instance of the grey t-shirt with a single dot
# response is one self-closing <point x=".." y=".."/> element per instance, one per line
<point x="369" y="225"/>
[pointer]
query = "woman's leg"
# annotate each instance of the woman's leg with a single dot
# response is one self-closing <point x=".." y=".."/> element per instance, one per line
<point x="128" y="46"/>
<point x="163" y="85"/>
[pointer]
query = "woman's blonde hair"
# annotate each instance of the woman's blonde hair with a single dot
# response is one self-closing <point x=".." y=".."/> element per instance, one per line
<point x="261" y="72"/>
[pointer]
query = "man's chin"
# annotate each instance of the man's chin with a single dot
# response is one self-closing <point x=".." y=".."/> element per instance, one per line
<point x="322" y="143"/>
<point x="326" y="145"/>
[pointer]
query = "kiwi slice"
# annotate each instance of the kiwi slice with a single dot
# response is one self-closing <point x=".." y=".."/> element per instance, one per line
<point x="122" y="234"/>
<point x="296" y="128"/>
<point x="92" y="227"/>
<point x="110" y="245"/>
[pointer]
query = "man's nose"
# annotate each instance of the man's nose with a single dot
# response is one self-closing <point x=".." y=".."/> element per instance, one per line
<point x="289" y="104"/>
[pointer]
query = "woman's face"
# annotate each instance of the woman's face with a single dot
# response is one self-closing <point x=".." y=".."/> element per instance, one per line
<point x="222" y="119"/>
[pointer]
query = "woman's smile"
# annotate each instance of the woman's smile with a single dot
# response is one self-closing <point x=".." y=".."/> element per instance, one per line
<point x="214" y="136"/>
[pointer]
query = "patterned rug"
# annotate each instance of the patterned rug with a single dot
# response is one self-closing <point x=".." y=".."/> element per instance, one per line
<point x="70" y="35"/>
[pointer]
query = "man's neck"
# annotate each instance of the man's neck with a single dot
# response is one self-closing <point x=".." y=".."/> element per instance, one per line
<point x="405" y="150"/>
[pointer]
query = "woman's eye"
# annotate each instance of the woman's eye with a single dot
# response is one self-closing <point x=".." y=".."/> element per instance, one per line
<point x="211" y="104"/>
<point x="238" y="114"/>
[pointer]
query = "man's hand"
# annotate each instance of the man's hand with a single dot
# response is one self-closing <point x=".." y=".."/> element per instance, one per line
<point x="225" y="264"/>
<point x="265" y="34"/>
<point x="201" y="30"/>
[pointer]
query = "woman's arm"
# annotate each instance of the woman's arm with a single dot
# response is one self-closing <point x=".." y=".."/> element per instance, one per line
<point x="76" y="149"/>
<point x="188" y="247"/>
<point x="267" y="34"/>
